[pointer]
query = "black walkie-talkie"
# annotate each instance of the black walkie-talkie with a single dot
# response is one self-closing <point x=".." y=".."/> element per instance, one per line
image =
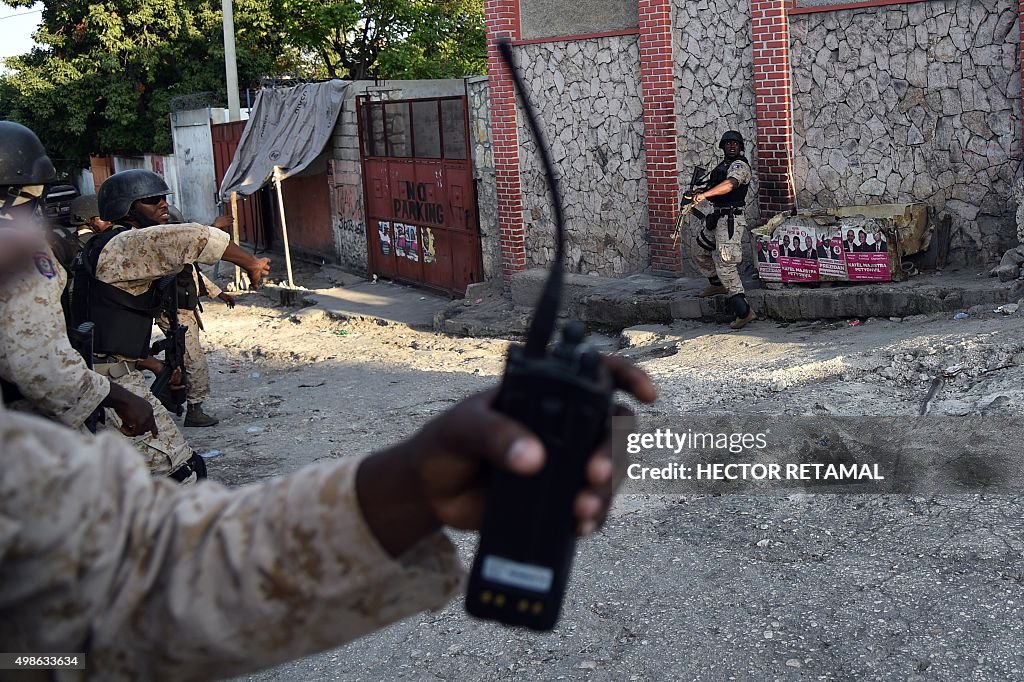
<point x="528" y="538"/>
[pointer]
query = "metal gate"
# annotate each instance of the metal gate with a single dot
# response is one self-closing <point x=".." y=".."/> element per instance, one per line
<point x="421" y="215"/>
<point x="225" y="137"/>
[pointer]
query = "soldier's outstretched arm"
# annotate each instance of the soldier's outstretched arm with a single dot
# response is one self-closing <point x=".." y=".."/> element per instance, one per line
<point x="133" y="259"/>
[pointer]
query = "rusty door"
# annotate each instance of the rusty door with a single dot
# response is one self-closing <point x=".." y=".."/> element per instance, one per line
<point x="421" y="216"/>
<point x="251" y="228"/>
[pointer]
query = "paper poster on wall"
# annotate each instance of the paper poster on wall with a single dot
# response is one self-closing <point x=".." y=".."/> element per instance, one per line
<point x="412" y="247"/>
<point x="766" y="250"/>
<point x="429" y="254"/>
<point x="867" y="253"/>
<point x="831" y="261"/>
<point x="400" y="243"/>
<point x="798" y="253"/>
<point x="384" y="237"/>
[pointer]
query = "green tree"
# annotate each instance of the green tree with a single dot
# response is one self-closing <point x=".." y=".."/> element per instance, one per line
<point x="361" y="39"/>
<point x="103" y="76"/>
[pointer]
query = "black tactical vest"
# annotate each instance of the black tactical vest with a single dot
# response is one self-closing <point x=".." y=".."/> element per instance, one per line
<point x="124" y="323"/>
<point x="738" y="196"/>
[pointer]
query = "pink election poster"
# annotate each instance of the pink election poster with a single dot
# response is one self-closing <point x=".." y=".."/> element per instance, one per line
<point x="867" y="256"/>
<point x="798" y="255"/>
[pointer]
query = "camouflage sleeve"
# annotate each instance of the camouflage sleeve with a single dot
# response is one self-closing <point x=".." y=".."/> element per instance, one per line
<point x="134" y="258"/>
<point x="35" y="352"/>
<point x="154" y="581"/>
<point x="212" y="290"/>
<point x="740" y="172"/>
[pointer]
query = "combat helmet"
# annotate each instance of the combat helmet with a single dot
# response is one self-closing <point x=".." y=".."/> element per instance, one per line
<point x="731" y="136"/>
<point x="23" y="161"/>
<point x="83" y="208"/>
<point x="121" y="190"/>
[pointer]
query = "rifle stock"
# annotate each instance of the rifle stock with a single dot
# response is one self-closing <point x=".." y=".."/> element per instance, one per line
<point x="173" y="348"/>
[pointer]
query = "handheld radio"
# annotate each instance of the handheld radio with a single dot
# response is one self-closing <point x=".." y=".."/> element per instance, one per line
<point x="564" y="395"/>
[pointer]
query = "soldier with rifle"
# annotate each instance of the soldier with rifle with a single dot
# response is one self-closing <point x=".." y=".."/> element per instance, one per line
<point x="117" y="288"/>
<point x="40" y="370"/>
<point x="720" y="241"/>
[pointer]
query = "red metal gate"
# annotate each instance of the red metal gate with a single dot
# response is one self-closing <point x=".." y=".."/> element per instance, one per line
<point x="251" y="227"/>
<point x="421" y="215"/>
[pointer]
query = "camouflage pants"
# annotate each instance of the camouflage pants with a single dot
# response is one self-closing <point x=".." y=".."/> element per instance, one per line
<point x="195" y="358"/>
<point x="164" y="452"/>
<point x="723" y="259"/>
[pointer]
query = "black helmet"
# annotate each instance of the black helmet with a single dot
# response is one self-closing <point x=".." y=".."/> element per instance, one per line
<point x="83" y="208"/>
<point x="176" y="216"/>
<point x="731" y="136"/>
<point x="23" y="161"/>
<point x="121" y="190"/>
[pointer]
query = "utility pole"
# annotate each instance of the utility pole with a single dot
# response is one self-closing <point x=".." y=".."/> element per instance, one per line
<point x="230" y="67"/>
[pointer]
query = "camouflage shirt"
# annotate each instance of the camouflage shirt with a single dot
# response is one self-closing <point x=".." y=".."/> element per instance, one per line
<point x="157" y="582"/>
<point x="132" y="260"/>
<point x="35" y="353"/>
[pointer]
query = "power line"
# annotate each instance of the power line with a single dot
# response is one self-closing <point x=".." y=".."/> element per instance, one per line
<point x="21" y="14"/>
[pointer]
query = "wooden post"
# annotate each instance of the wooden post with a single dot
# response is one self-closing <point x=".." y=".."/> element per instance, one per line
<point x="284" y="226"/>
<point x="234" y="237"/>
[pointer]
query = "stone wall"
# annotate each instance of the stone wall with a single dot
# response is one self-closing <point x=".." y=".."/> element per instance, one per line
<point x="482" y="154"/>
<point x="715" y="82"/>
<point x="915" y="102"/>
<point x="588" y="97"/>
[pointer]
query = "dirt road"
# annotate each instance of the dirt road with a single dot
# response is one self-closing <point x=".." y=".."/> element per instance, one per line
<point x="745" y="587"/>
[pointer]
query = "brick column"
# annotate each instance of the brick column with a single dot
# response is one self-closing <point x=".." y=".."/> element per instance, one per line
<point x="773" y="105"/>
<point x="502" y="21"/>
<point x="658" y="93"/>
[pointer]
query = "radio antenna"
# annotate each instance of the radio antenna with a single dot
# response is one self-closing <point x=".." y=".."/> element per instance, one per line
<point x="543" y="324"/>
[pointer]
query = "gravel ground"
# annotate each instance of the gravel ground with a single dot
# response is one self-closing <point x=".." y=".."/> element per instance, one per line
<point x="730" y="587"/>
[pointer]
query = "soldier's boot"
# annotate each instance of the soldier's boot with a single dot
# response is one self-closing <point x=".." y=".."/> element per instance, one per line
<point x="196" y="417"/>
<point x="744" y="313"/>
<point x="716" y="288"/>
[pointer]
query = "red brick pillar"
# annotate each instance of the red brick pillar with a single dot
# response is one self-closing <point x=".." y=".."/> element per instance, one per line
<point x="658" y="92"/>
<point x="502" y="21"/>
<point x="773" y="105"/>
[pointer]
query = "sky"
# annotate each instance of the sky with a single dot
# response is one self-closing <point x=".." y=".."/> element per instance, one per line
<point x="16" y="28"/>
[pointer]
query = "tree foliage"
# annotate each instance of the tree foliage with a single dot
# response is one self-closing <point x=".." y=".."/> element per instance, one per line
<point x="103" y="75"/>
<point x="105" y="71"/>
<point x="361" y="39"/>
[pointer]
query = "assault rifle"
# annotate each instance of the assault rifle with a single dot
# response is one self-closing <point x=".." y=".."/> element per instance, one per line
<point x="173" y="348"/>
<point x="81" y="338"/>
<point x="698" y="180"/>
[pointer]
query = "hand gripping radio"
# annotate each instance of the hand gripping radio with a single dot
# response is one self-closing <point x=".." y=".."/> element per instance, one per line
<point x="564" y="395"/>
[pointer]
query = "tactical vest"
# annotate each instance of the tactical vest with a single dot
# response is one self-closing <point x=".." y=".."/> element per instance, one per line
<point x="738" y="196"/>
<point x="188" y="294"/>
<point x="124" y="323"/>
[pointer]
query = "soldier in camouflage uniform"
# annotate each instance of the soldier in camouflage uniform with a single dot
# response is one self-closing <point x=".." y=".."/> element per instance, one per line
<point x="39" y="370"/>
<point x="155" y="582"/>
<point x="192" y="285"/>
<point x="720" y="241"/>
<point x="116" y="290"/>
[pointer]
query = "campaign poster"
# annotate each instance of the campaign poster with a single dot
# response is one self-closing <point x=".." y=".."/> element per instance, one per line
<point x="831" y="260"/>
<point x="766" y="253"/>
<point x="400" y="244"/>
<point x="798" y="255"/>
<point x="412" y="247"/>
<point x="866" y="248"/>
<point x="384" y="237"/>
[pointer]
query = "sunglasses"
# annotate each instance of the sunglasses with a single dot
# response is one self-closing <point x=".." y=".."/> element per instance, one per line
<point x="153" y="201"/>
